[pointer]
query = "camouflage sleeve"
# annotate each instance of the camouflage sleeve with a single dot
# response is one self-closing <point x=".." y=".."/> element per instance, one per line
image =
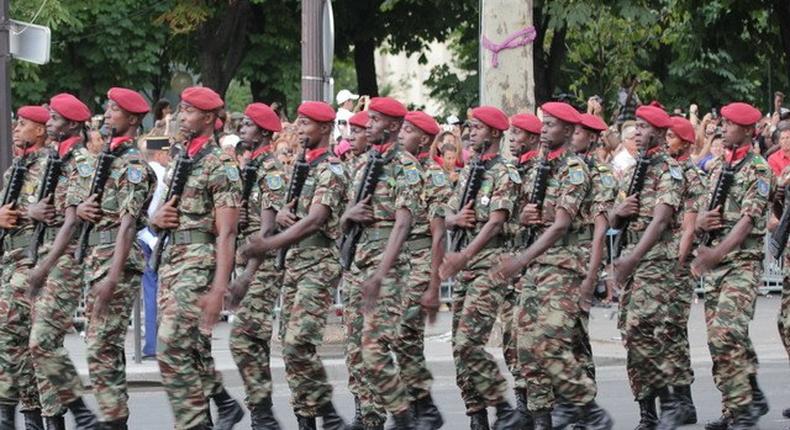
<point x="604" y="190"/>
<point x="756" y="198"/>
<point x="135" y="188"/>
<point x="451" y="204"/>
<point x="79" y="180"/>
<point x="330" y="189"/>
<point x="574" y="185"/>
<point x="407" y="186"/>
<point x="273" y="186"/>
<point x="669" y="189"/>
<point x="695" y="191"/>
<point x="224" y="183"/>
<point x="437" y="192"/>
<point x="505" y="192"/>
<point x="6" y="178"/>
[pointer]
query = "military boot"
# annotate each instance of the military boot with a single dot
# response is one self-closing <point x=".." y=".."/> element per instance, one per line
<point x="229" y="411"/>
<point x="542" y="420"/>
<point x="744" y="419"/>
<point x="506" y="417"/>
<point x="648" y="419"/>
<point x="403" y="421"/>
<point x="670" y="410"/>
<point x="58" y="422"/>
<point x="595" y="417"/>
<point x="479" y="420"/>
<point x="202" y="426"/>
<point x="721" y="423"/>
<point x="428" y="415"/>
<point x="330" y="419"/>
<point x="33" y="420"/>
<point x="522" y="406"/>
<point x="119" y="424"/>
<point x="786" y="413"/>
<point x="7" y="417"/>
<point x="83" y="417"/>
<point x="564" y="414"/>
<point x="759" y="405"/>
<point x="688" y="412"/>
<point x="305" y="423"/>
<point x="261" y="416"/>
<point x="356" y="423"/>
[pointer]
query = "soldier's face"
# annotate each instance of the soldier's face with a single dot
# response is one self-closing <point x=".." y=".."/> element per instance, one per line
<point x="377" y="124"/>
<point x="519" y="140"/>
<point x="646" y="135"/>
<point x="675" y="145"/>
<point x="479" y="134"/>
<point x="194" y="121"/>
<point x="581" y="139"/>
<point x="249" y="131"/>
<point x="27" y="133"/>
<point x="57" y="126"/>
<point x="358" y="140"/>
<point x="555" y="132"/>
<point x="734" y="134"/>
<point x="309" y="130"/>
<point x="411" y="138"/>
<point x="117" y="118"/>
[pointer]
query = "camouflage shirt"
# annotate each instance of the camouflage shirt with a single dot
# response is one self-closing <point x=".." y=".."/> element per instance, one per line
<point x="435" y="191"/>
<point x="35" y="163"/>
<point x="75" y="177"/>
<point x="268" y="192"/>
<point x="694" y="190"/>
<point x="326" y="184"/>
<point x="513" y="228"/>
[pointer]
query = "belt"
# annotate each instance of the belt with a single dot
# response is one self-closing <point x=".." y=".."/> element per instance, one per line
<point x="418" y="244"/>
<point x="17" y="241"/>
<point x="371" y="234"/>
<point x="102" y="237"/>
<point x="633" y="237"/>
<point x="190" y="237"/>
<point x="316" y="240"/>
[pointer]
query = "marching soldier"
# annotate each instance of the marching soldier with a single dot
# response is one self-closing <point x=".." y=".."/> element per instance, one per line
<point x="196" y="268"/>
<point x="359" y="142"/>
<point x="17" y="377"/>
<point x="550" y="294"/>
<point x="251" y="334"/>
<point x="477" y="298"/>
<point x="730" y="264"/>
<point x="57" y="280"/>
<point x="783" y="321"/>
<point x="426" y="249"/>
<point x="312" y="268"/>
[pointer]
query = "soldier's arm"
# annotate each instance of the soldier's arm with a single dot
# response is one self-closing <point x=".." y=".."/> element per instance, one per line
<point x="400" y="231"/>
<point x="306" y="226"/>
<point x="547" y="239"/>
<point x="61" y="241"/>
<point x="687" y="235"/>
<point x="490" y="230"/>
<point x="227" y="219"/>
<point x="123" y="245"/>
<point x="438" y="241"/>
<point x="596" y="254"/>
<point x="734" y="238"/>
<point x="662" y="215"/>
<point x="268" y="223"/>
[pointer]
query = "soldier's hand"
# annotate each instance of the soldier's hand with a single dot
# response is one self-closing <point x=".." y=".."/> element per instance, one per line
<point x="624" y="268"/>
<point x="508" y="267"/>
<point x="238" y="289"/>
<point x="705" y="260"/>
<point x="628" y="207"/>
<point x="585" y="298"/>
<point x="709" y="220"/>
<point x="256" y="247"/>
<point x="89" y="210"/>
<point x="452" y="263"/>
<point x="430" y="304"/>
<point x="8" y="216"/>
<point x="285" y="216"/>
<point x="465" y="218"/>
<point x="360" y="213"/>
<point x="102" y="294"/>
<point x="530" y="215"/>
<point x="42" y="211"/>
<point x="370" y="293"/>
<point x="36" y="278"/>
<point x="211" y="306"/>
<point x="166" y="216"/>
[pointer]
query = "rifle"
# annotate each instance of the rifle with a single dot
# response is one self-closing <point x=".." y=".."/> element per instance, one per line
<point x="13" y="189"/>
<point x="370" y="178"/>
<point x="98" y="182"/>
<point x="719" y="197"/>
<point x="295" y="185"/>
<point x="635" y="187"/>
<point x="49" y="181"/>
<point x="175" y="187"/>
<point x="537" y="197"/>
<point x="778" y="241"/>
<point x="458" y="236"/>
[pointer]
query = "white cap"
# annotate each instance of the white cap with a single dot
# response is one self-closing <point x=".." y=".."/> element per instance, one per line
<point x="453" y="120"/>
<point x="229" y="141"/>
<point x="344" y="96"/>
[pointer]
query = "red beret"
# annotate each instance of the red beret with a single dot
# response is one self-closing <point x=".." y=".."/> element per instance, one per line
<point x="129" y="100"/>
<point x="37" y="114"/>
<point x="263" y="116"/>
<point x="388" y="106"/>
<point x="359" y="119"/>
<point x="741" y="113"/>
<point x="683" y="129"/>
<point x="317" y="111"/>
<point x="654" y="115"/>
<point x="423" y="121"/>
<point x="70" y="107"/>
<point x="562" y="111"/>
<point x="491" y="117"/>
<point x="527" y="122"/>
<point x="202" y="98"/>
<point x="593" y="122"/>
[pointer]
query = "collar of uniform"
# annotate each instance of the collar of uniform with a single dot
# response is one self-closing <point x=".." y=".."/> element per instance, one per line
<point x="557" y="153"/>
<point x="196" y="144"/>
<point x="65" y="146"/>
<point x="260" y="151"/>
<point x="315" y="153"/>
<point x="31" y="150"/>
<point x="682" y="158"/>
<point x="422" y="156"/>
<point x="529" y="155"/>
<point x="383" y="148"/>
<point x="738" y="154"/>
<point x="118" y="141"/>
<point x="489" y="156"/>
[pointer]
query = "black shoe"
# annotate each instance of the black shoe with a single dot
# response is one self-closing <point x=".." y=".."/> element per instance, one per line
<point x="542" y="420"/>
<point x="55" y="423"/>
<point x="786" y="413"/>
<point x="229" y="411"/>
<point x="479" y="420"/>
<point x="744" y="419"/>
<point x="373" y="426"/>
<point x="687" y="411"/>
<point x="7" y="417"/>
<point x="565" y="414"/>
<point x="119" y="424"/>
<point x="356" y="423"/>
<point x="595" y="417"/>
<point x="33" y="420"/>
<point x="722" y="423"/>
<point x="261" y="416"/>
<point x="670" y="410"/>
<point x="330" y="420"/>
<point x="83" y="417"/>
<point x="507" y="418"/>
<point x="202" y="426"/>
<point x="759" y="405"/>
<point x="305" y="423"/>
<point x="523" y="409"/>
<point x="648" y="419"/>
<point x="403" y="421"/>
<point x="428" y="415"/>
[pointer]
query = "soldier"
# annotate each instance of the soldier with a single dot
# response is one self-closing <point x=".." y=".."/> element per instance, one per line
<point x="251" y="334"/>
<point x="550" y="294"/>
<point x="379" y="266"/>
<point x="359" y="142"/>
<point x="426" y="249"/>
<point x="476" y="298"/>
<point x="644" y="267"/>
<point x="783" y="321"/>
<point x="731" y="263"/>
<point x="196" y="268"/>
<point x="57" y="280"/>
<point x="680" y="139"/>
<point x="312" y="268"/>
<point x="17" y="377"/>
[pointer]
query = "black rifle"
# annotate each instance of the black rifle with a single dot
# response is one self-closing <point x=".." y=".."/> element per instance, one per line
<point x="719" y="197"/>
<point x="635" y="187"/>
<point x="13" y="189"/>
<point x="778" y="241"/>
<point x="49" y="181"/>
<point x="537" y="197"/>
<point x="458" y="236"/>
<point x="181" y="171"/>
<point x="295" y="184"/>
<point x="98" y="182"/>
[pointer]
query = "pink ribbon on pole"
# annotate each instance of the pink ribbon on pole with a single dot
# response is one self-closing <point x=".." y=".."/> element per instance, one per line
<point x="520" y="38"/>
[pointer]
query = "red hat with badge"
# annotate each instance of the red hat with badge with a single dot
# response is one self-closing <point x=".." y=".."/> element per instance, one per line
<point x="423" y="121"/>
<point x="317" y="111"/>
<point x="562" y="111"/>
<point x="388" y="106"/>
<point x="593" y="122"/>
<point x="263" y="116"/>
<point x="37" y="114"/>
<point x="654" y="115"/>
<point x="359" y="119"/>
<point x="492" y="117"/>
<point x="202" y="98"/>
<point x="741" y="113"/>
<point x="527" y="122"/>
<point x="129" y="100"/>
<point x="70" y="107"/>
<point x="683" y="129"/>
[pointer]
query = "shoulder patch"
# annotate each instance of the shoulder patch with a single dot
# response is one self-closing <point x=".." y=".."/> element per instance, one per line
<point x="676" y="172"/>
<point x="274" y="182"/>
<point x="763" y="188"/>
<point x="336" y="168"/>
<point x="512" y="172"/>
<point x="576" y="174"/>
<point x="412" y="174"/>
<point x="438" y="178"/>
<point x="607" y="180"/>
<point x="232" y="172"/>
<point x="84" y="169"/>
<point x="134" y="174"/>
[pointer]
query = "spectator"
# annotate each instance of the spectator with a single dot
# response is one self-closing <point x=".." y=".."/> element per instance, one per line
<point x="625" y="156"/>
<point x="345" y="108"/>
<point x="228" y="144"/>
<point x="716" y="151"/>
<point x="781" y="157"/>
<point x="610" y="141"/>
<point x="446" y="150"/>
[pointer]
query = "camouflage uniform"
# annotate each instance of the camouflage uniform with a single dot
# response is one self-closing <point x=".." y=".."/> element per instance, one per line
<point x="186" y="274"/>
<point x="251" y="333"/>
<point x="58" y="381"/>
<point x="731" y="287"/>
<point x="783" y="321"/>
<point x="549" y="307"/>
<point x="127" y="191"/>
<point x="409" y="347"/>
<point x="646" y="296"/>
<point x="312" y="272"/>
<point x="476" y="298"/>
<point x="17" y="378"/>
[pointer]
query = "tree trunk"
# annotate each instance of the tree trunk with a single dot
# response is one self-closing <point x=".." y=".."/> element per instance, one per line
<point x="365" y="65"/>
<point x="782" y="14"/>
<point x="223" y="44"/>
<point x="547" y="64"/>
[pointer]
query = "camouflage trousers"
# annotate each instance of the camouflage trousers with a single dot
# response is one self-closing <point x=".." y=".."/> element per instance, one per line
<point x="314" y="272"/>
<point x="508" y="316"/>
<point x="58" y="381"/>
<point x="783" y="321"/>
<point x="730" y="298"/>
<point x="410" y="344"/>
<point x="17" y="377"/>
<point x="548" y="325"/>
<point x="678" y="354"/>
<point x="106" y="340"/>
<point x="251" y="334"/>
<point x="582" y="349"/>
<point x="643" y="321"/>
<point x="476" y="303"/>
<point x="183" y="347"/>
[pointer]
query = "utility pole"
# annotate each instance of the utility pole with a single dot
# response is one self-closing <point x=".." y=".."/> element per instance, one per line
<point x="312" y="74"/>
<point x="5" y="86"/>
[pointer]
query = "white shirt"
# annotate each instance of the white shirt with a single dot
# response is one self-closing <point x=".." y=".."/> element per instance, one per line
<point x="145" y="234"/>
<point x="622" y="161"/>
<point x="343" y="114"/>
